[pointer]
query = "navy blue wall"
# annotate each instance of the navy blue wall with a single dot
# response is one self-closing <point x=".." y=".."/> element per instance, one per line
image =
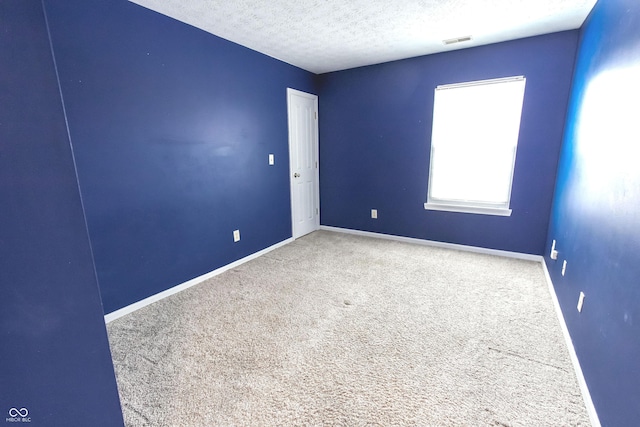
<point x="375" y="131"/>
<point x="171" y="129"/>
<point x="596" y="211"/>
<point x="54" y="353"/>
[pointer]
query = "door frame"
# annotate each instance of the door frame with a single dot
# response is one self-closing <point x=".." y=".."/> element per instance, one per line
<point x="316" y="158"/>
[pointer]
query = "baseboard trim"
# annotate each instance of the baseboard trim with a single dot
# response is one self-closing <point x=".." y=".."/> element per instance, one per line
<point x="181" y="287"/>
<point x="476" y="249"/>
<point x="584" y="389"/>
<point x="586" y="395"/>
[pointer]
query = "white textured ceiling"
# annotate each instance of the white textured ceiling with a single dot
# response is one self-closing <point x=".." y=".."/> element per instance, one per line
<point x="330" y="35"/>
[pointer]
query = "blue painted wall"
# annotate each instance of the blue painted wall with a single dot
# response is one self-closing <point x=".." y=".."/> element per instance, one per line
<point x="54" y="353"/>
<point x="375" y="130"/>
<point x="596" y="211"/>
<point x="171" y="129"/>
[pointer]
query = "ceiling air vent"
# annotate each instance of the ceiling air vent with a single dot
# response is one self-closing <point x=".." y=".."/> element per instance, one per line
<point x="457" y="40"/>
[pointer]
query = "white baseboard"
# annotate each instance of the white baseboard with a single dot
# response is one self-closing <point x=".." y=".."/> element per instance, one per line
<point x="157" y="297"/>
<point x="586" y="396"/>
<point x="161" y="295"/>
<point x="476" y="249"/>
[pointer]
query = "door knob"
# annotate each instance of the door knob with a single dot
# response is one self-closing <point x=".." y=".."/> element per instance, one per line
<point x="296" y="175"/>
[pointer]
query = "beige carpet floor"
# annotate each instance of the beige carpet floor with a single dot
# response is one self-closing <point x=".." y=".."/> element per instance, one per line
<point x="342" y="330"/>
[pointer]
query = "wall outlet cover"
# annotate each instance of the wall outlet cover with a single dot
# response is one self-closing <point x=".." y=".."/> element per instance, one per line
<point x="580" y="302"/>
<point x="554" y="252"/>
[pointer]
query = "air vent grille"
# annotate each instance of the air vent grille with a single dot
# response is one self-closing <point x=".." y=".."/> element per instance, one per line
<point x="457" y="40"/>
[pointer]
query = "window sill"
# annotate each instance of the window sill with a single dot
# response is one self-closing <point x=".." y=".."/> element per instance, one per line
<point x="467" y="209"/>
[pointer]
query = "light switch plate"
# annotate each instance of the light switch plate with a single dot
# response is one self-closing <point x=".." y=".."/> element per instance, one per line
<point x="271" y="159"/>
<point x="236" y="235"/>
<point x="374" y="213"/>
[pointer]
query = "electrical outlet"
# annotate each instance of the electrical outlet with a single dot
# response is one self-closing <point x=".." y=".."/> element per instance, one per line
<point x="554" y="253"/>
<point x="271" y="159"/>
<point x="374" y="213"/>
<point x="236" y="235"/>
<point x="580" y="302"/>
<point x="564" y="267"/>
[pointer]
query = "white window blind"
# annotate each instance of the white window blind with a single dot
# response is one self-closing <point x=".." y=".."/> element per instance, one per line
<point x="473" y="145"/>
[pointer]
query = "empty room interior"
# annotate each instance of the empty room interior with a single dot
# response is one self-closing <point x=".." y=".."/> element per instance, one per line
<point x="297" y="213"/>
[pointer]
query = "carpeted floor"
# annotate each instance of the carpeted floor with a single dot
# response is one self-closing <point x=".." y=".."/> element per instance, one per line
<point x="343" y="330"/>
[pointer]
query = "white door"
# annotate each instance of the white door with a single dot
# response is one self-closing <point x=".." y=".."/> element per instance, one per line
<point x="303" y="161"/>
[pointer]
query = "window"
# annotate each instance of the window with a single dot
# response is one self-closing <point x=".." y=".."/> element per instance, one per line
<point x="473" y="146"/>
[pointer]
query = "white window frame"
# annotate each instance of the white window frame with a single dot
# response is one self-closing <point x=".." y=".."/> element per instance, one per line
<point x="468" y="206"/>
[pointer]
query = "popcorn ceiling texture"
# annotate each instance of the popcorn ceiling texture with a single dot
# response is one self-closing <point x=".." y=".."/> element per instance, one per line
<point x="342" y="330"/>
<point x="330" y="35"/>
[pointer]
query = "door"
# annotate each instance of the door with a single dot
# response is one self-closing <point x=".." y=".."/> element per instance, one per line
<point x="303" y="160"/>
